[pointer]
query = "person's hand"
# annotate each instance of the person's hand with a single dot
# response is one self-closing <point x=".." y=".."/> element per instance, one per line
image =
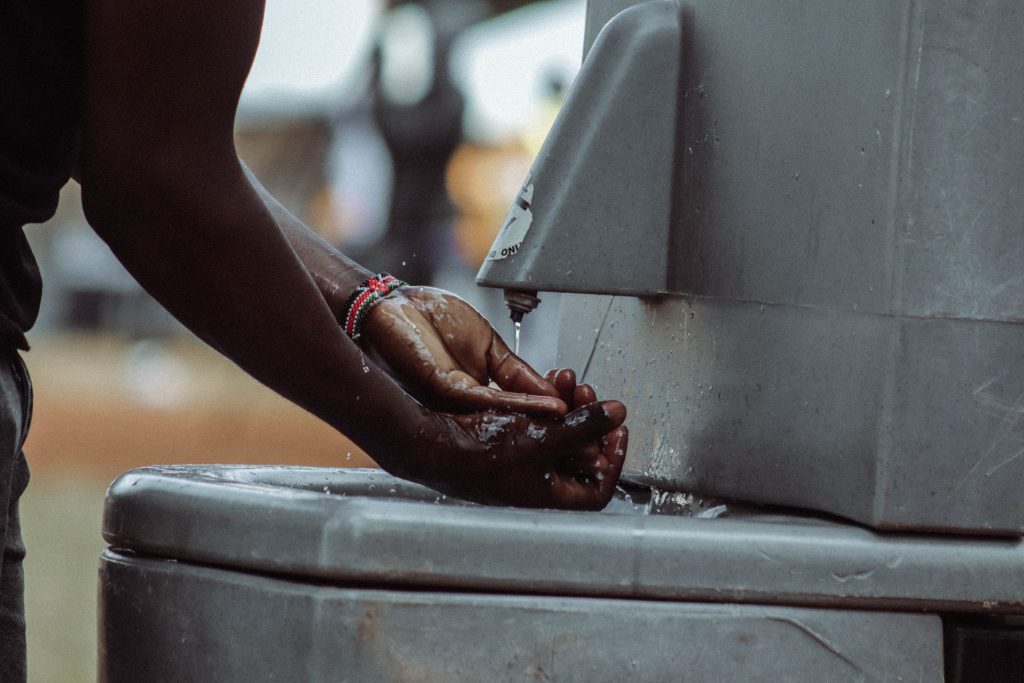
<point x="514" y="459"/>
<point x="448" y="353"/>
<point x="593" y="460"/>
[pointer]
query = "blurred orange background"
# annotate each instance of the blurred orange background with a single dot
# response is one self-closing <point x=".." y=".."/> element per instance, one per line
<point x="104" y="405"/>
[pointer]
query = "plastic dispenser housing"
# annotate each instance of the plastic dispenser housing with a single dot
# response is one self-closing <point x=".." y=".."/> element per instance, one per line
<point x="841" y="325"/>
<point x="600" y="190"/>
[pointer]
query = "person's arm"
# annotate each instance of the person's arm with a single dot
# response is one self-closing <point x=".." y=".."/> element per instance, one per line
<point x="162" y="185"/>
<point x="432" y="339"/>
<point x="335" y="274"/>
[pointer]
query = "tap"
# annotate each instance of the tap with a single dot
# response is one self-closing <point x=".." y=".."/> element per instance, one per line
<point x="520" y="302"/>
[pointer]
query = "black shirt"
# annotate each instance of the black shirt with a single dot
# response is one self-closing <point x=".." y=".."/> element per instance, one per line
<point x="40" y="125"/>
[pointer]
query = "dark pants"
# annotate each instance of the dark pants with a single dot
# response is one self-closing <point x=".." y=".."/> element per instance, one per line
<point x="15" y="414"/>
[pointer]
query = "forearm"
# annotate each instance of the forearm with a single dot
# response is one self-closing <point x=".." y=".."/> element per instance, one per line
<point x="335" y="274"/>
<point x="219" y="262"/>
<point x="162" y="184"/>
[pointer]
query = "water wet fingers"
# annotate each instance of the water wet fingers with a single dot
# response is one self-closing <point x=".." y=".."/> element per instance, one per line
<point x="564" y="380"/>
<point x="583" y="394"/>
<point x="512" y="373"/>
<point x="488" y="398"/>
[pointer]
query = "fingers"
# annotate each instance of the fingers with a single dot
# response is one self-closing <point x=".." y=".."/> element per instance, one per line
<point x="587" y="423"/>
<point x="478" y="398"/>
<point x="594" y="484"/>
<point x="587" y="478"/>
<point x="582" y="395"/>
<point x="595" y="461"/>
<point x="564" y="381"/>
<point x="565" y="384"/>
<point x="512" y="373"/>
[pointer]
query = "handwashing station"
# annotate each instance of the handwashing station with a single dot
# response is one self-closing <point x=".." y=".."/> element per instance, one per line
<point x="791" y="239"/>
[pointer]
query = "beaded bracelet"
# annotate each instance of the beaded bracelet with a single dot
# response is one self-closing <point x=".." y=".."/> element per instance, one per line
<point x="365" y="297"/>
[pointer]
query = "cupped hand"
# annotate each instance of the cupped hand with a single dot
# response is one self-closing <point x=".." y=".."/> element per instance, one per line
<point x="591" y="460"/>
<point x="449" y="353"/>
<point x="514" y="459"/>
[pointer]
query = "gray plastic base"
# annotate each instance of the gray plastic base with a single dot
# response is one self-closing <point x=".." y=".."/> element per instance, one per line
<point x="170" y="621"/>
<point x="345" y="526"/>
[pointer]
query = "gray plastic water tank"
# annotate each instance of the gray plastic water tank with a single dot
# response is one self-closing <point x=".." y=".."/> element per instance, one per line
<point x="252" y="573"/>
<point x="841" y="319"/>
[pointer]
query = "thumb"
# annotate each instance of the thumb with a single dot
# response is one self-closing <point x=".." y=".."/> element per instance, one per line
<point x="588" y="424"/>
<point x="512" y="373"/>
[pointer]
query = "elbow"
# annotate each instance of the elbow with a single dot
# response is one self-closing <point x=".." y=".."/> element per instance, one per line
<point x="99" y="203"/>
<point x="118" y="187"/>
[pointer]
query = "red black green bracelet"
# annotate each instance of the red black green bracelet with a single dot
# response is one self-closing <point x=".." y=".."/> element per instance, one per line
<point x="365" y="297"/>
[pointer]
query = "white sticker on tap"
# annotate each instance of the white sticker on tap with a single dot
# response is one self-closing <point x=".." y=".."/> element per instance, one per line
<point x="517" y="223"/>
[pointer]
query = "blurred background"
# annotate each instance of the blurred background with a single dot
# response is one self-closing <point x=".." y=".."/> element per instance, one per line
<point x="401" y="132"/>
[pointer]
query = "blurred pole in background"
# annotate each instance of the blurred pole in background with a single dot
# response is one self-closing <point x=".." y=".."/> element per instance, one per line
<point x="418" y="111"/>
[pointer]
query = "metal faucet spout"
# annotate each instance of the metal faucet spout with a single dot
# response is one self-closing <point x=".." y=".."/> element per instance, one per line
<point x="520" y="302"/>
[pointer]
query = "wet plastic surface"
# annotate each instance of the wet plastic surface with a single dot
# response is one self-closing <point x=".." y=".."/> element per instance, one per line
<point x="899" y="423"/>
<point x="602" y="182"/>
<point x="846" y="326"/>
<point x="163" y="620"/>
<point x="234" y="573"/>
<point x="365" y="527"/>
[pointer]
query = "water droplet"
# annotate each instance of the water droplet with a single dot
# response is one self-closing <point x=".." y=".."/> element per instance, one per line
<point x="547" y="475"/>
